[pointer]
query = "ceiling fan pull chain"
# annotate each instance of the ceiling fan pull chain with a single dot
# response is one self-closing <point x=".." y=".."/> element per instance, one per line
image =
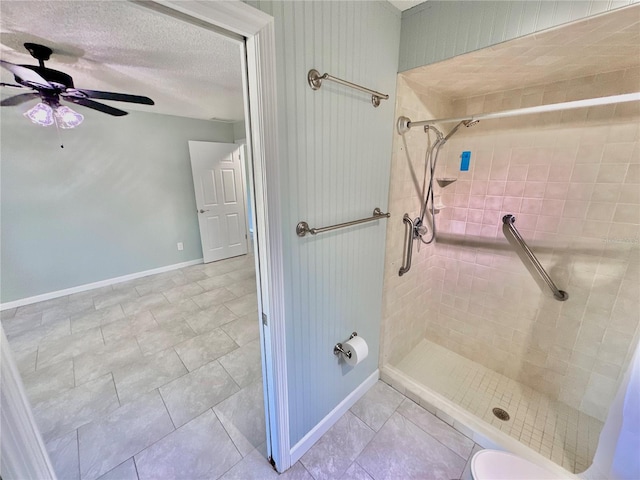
<point x="58" y="130"/>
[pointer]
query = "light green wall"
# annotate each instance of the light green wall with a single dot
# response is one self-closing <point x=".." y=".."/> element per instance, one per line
<point x="437" y="30"/>
<point x="335" y="150"/>
<point x="239" y="132"/>
<point x="114" y="201"/>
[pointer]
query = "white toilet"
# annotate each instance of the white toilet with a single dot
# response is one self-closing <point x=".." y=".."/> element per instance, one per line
<point x="497" y="465"/>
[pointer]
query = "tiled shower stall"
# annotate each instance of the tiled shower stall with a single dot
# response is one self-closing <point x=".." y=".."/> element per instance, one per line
<point x="469" y="322"/>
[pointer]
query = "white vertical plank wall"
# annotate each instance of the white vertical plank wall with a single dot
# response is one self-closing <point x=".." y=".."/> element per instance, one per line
<point x="336" y="150"/>
<point x="437" y="30"/>
<point x="336" y="154"/>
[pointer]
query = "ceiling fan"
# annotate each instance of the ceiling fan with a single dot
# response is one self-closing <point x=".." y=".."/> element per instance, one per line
<point x="52" y="86"/>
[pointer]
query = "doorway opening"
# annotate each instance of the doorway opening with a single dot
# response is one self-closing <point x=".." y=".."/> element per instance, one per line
<point x="108" y="410"/>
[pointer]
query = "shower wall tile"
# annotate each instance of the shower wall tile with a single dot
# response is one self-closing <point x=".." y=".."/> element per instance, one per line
<point x="407" y="299"/>
<point x="571" y="180"/>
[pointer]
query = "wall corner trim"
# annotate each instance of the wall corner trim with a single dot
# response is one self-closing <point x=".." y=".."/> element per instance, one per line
<point x="90" y="286"/>
<point x="22" y="451"/>
<point x="300" y="448"/>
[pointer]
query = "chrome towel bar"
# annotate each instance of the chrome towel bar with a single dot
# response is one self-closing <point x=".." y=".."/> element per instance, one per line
<point x="303" y="227"/>
<point x="315" y="82"/>
<point x="508" y="221"/>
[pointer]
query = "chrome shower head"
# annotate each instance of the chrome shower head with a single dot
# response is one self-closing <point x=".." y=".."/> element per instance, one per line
<point x="466" y="123"/>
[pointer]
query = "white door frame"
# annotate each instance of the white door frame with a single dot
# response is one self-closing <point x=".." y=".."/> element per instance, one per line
<point x="22" y="451"/>
<point x="262" y="133"/>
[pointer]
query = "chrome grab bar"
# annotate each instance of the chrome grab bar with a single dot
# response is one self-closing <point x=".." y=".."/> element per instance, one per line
<point x="315" y="82"/>
<point x="303" y="227"/>
<point x="407" y="266"/>
<point x="508" y="221"/>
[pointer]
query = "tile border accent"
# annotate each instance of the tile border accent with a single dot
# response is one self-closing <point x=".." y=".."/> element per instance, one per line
<point x="306" y="442"/>
<point x="91" y="286"/>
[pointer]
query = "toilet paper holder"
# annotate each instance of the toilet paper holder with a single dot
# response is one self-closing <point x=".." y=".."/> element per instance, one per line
<point x="337" y="350"/>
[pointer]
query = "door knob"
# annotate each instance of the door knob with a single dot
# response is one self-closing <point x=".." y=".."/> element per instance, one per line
<point x="202" y="211"/>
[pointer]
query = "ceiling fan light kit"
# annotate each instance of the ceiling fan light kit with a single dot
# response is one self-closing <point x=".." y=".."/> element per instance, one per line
<point x="41" y="114"/>
<point x="67" y="118"/>
<point x="45" y="115"/>
<point x="53" y="86"/>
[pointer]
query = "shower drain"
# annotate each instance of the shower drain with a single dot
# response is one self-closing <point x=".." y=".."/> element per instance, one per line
<point x="501" y="414"/>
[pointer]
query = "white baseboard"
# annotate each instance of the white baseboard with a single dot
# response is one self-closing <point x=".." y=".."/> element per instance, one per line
<point x="300" y="448"/>
<point x="91" y="286"/>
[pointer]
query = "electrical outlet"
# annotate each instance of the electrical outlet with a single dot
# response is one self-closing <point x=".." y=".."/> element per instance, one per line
<point x="180" y="246"/>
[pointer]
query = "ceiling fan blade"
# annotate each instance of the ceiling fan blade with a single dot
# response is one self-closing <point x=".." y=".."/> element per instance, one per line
<point x="13" y="85"/>
<point x="118" y="97"/>
<point x="26" y="75"/>
<point x="18" y="99"/>
<point x="101" y="107"/>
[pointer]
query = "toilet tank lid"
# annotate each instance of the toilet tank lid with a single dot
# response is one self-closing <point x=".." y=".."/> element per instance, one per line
<point x="497" y="465"/>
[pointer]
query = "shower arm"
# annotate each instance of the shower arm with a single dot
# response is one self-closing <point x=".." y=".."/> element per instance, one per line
<point x="441" y="140"/>
<point x="413" y="232"/>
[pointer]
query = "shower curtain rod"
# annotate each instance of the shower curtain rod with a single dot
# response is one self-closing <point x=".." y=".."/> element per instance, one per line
<point x="404" y="123"/>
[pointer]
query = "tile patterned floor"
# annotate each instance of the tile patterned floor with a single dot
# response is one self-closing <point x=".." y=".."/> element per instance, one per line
<point x="387" y="436"/>
<point x="565" y="435"/>
<point x="160" y="378"/>
<point x="140" y="379"/>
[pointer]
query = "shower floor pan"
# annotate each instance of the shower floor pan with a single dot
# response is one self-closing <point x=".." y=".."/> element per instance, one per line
<point x="437" y="377"/>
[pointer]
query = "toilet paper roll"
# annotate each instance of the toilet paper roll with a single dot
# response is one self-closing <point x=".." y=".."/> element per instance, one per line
<point x="358" y="348"/>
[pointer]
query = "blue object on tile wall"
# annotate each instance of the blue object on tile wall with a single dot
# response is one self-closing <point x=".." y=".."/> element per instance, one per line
<point x="465" y="159"/>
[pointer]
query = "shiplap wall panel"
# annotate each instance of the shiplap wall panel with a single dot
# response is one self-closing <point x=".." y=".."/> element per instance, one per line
<point x="336" y="152"/>
<point x="437" y="30"/>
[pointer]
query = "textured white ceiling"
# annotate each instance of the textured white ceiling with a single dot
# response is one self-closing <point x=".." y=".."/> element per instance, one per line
<point x="600" y="44"/>
<point x="122" y="47"/>
<point x="405" y="4"/>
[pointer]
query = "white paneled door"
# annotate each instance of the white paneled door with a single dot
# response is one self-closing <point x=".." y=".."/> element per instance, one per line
<point x="219" y="182"/>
